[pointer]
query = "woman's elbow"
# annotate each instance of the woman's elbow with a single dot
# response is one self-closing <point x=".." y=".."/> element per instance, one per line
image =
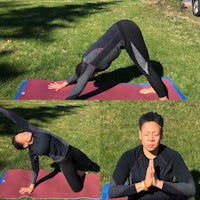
<point x="111" y="194"/>
<point x="192" y="190"/>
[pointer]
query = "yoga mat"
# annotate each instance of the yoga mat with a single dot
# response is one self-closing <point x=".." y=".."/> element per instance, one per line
<point x="51" y="185"/>
<point x="34" y="89"/>
<point x="105" y="194"/>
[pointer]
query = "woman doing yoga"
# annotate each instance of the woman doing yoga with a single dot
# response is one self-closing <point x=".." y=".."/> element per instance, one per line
<point x="153" y="170"/>
<point x="124" y="34"/>
<point x="41" y="142"/>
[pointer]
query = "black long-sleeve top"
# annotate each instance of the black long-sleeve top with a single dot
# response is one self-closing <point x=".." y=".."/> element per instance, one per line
<point x="48" y="144"/>
<point x="97" y="58"/>
<point x="44" y="142"/>
<point x="168" y="165"/>
<point x="106" y="49"/>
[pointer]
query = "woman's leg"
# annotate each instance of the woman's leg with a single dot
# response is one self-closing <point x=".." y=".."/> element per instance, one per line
<point x="82" y="161"/>
<point x="76" y="160"/>
<point x="75" y="181"/>
<point x="137" y="50"/>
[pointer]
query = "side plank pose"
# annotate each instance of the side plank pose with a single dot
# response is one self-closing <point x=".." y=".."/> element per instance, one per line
<point x="151" y="167"/>
<point x="126" y="35"/>
<point x="41" y="142"/>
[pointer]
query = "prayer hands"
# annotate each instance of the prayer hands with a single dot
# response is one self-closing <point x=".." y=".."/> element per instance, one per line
<point x="151" y="177"/>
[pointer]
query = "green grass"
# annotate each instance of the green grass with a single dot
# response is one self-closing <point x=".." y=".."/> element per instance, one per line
<point x="46" y="39"/>
<point x="119" y="132"/>
<point x="77" y="123"/>
<point x="104" y="130"/>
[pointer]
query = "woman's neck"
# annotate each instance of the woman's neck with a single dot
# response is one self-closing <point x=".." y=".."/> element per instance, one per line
<point x="149" y="154"/>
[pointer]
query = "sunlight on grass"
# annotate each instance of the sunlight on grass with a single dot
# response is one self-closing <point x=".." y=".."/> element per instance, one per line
<point x="45" y="40"/>
<point x="68" y="120"/>
<point x="103" y="129"/>
<point x="120" y="130"/>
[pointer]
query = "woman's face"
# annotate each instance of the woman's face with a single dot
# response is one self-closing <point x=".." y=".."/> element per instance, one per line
<point x="24" y="137"/>
<point x="150" y="136"/>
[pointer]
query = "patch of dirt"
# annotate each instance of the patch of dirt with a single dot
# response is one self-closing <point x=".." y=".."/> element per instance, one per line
<point x="187" y="6"/>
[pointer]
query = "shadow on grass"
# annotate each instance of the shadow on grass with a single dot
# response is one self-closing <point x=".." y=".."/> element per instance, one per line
<point x="121" y="75"/>
<point x="6" y="52"/>
<point x="38" y="22"/>
<point x="196" y="176"/>
<point x="126" y="74"/>
<point x="9" y="72"/>
<point x="41" y="114"/>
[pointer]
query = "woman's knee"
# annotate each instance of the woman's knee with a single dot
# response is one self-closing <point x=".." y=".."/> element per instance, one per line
<point x="77" y="188"/>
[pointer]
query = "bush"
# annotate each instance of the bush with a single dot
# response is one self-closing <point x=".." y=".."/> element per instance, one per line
<point x="176" y="4"/>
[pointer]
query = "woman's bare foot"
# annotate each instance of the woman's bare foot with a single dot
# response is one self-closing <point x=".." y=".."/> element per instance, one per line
<point x="163" y="98"/>
<point x="147" y="90"/>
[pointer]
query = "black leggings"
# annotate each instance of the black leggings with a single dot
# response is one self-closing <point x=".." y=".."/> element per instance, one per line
<point x="124" y="34"/>
<point x="137" y="50"/>
<point x="75" y="160"/>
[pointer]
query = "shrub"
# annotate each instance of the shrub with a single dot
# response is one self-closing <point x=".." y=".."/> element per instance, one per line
<point x="175" y="4"/>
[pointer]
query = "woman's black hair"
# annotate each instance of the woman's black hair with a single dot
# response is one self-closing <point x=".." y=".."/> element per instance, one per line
<point x="16" y="144"/>
<point x="151" y="116"/>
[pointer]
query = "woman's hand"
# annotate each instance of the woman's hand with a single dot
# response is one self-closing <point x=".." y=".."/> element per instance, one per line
<point x="27" y="190"/>
<point x="57" y="86"/>
<point x="150" y="173"/>
<point x="151" y="177"/>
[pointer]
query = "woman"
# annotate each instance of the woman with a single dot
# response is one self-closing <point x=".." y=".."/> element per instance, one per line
<point x="124" y="34"/>
<point x="151" y="167"/>
<point x="41" y="142"/>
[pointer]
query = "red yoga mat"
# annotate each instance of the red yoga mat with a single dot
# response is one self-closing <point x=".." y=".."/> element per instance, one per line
<point x="51" y="185"/>
<point x="34" y="89"/>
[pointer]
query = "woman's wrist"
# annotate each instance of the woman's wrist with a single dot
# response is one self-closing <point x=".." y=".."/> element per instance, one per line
<point x="64" y="84"/>
<point x="31" y="186"/>
<point x="159" y="184"/>
<point x="144" y="186"/>
<point x="141" y="186"/>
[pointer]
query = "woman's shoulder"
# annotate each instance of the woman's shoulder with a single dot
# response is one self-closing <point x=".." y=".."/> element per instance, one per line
<point x="134" y="152"/>
<point x="168" y="151"/>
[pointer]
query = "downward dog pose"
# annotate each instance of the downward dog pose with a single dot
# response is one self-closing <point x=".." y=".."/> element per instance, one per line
<point x="151" y="167"/>
<point x="41" y="142"/>
<point x="126" y="35"/>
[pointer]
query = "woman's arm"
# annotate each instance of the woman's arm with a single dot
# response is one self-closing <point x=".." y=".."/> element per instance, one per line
<point x="185" y="184"/>
<point x="118" y="188"/>
<point x="19" y="121"/>
<point x="58" y="86"/>
<point x="186" y="189"/>
<point x="81" y="83"/>
<point x="35" y="170"/>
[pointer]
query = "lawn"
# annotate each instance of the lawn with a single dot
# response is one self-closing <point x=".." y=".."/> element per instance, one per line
<point x="76" y="122"/>
<point x="104" y="130"/>
<point x="119" y="132"/>
<point x="46" y="39"/>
